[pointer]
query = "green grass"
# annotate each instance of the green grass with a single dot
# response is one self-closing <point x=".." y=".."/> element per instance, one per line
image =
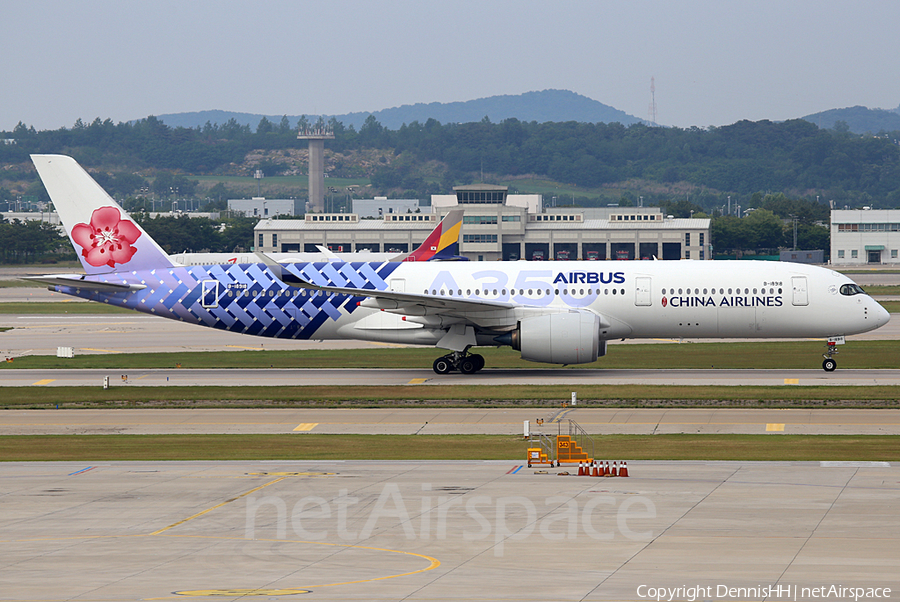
<point x="892" y="306"/>
<point x="121" y="395"/>
<point x="20" y="284"/>
<point x="104" y="448"/>
<point x="301" y="181"/>
<point x="766" y="355"/>
<point x="880" y="289"/>
<point x="61" y="307"/>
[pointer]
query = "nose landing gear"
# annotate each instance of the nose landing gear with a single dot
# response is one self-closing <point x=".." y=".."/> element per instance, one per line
<point x="830" y="350"/>
<point x="465" y="363"/>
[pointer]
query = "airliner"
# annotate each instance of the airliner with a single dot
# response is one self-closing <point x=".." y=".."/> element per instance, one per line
<point x="442" y="244"/>
<point x="555" y="314"/>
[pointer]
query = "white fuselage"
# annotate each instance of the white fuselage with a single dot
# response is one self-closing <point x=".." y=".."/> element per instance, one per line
<point x="637" y="299"/>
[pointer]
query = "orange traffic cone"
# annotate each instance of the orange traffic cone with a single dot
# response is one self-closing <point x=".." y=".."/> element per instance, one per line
<point x="596" y="470"/>
<point x="606" y="469"/>
<point x="623" y="470"/>
<point x="580" y="469"/>
<point x="615" y="471"/>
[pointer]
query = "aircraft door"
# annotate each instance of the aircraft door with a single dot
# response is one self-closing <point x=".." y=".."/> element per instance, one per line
<point x="642" y="296"/>
<point x="397" y="285"/>
<point x="800" y="292"/>
<point x="209" y="294"/>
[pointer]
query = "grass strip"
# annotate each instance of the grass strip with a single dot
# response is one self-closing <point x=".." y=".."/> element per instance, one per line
<point x="882" y="289"/>
<point x="105" y="448"/>
<point x="78" y="307"/>
<point x="464" y="395"/>
<point x="763" y="355"/>
<point x="892" y="307"/>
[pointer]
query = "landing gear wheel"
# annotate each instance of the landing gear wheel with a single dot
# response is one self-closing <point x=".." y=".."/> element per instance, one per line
<point x="479" y="361"/>
<point x="829" y="365"/>
<point x="468" y="365"/>
<point x="442" y="365"/>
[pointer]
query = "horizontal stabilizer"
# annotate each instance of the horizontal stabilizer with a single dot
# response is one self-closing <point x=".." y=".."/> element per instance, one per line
<point x="79" y="281"/>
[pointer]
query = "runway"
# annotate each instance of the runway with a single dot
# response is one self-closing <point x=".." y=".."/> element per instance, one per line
<point x="424" y="378"/>
<point x="425" y="531"/>
<point x="450" y="421"/>
<point x="34" y="334"/>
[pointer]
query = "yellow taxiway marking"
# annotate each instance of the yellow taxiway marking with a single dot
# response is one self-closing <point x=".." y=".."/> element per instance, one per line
<point x="181" y="522"/>
<point x="792" y="381"/>
<point x="45" y="381"/>
<point x="433" y="564"/>
<point x="245" y="347"/>
<point x="306" y="426"/>
<point x="242" y="592"/>
<point x="92" y="349"/>
<point x="418" y="381"/>
<point x="774" y="427"/>
<point x="396" y="345"/>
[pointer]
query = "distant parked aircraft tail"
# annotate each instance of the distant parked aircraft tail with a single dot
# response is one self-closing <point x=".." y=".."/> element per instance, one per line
<point x="443" y="242"/>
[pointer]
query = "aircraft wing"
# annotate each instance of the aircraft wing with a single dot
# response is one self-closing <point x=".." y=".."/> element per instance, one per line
<point x="388" y="299"/>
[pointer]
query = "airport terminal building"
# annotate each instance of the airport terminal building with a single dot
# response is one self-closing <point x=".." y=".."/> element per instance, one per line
<point x="500" y="226"/>
<point x="865" y="237"/>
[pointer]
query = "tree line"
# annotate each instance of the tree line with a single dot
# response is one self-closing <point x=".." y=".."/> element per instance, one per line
<point x="28" y="242"/>
<point x="794" y="156"/>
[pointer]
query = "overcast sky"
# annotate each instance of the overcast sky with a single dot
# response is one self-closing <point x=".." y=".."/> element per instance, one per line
<point x="714" y="61"/>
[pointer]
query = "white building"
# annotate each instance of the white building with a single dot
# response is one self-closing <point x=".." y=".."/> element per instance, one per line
<point x="263" y="207"/>
<point x="497" y="226"/>
<point x="865" y="236"/>
<point x="381" y="206"/>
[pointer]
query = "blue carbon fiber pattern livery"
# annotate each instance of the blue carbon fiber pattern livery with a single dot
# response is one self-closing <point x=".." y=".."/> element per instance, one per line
<point x="244" y="298"/>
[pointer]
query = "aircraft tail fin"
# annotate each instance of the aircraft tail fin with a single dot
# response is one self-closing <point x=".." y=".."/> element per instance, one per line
<point x="442" y="243"/>
<point x="105" y="238"/>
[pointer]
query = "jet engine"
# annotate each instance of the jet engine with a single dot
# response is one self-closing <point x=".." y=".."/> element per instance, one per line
<point x="563" y="338"/>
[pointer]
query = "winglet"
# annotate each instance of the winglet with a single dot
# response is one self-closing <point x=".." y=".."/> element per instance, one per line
<point x="104" y="236"/>
<point x="442" y="243"/>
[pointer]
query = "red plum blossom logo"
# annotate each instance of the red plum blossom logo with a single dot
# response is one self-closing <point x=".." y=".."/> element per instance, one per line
<point x="108" y="239"/>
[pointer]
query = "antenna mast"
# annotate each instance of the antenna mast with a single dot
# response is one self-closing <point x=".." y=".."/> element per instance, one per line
<point x="652" y="102"/>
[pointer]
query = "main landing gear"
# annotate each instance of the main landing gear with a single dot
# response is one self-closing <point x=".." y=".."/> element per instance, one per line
<point x="831" y="350"/>
<point x="465" y="363"/>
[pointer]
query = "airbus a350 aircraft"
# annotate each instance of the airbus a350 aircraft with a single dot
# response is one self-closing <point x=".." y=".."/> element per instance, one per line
<point x="442" y="244"/>
<point x="557" y="314"/>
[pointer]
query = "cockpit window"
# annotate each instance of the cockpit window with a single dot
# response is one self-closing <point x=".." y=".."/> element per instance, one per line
<point x="852" y="289"/>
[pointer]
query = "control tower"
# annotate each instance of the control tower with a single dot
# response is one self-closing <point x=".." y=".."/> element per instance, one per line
<point x="316" y="135"/>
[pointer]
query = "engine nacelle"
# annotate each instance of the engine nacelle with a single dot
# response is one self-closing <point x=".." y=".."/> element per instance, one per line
<point x="564" y="338"/>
